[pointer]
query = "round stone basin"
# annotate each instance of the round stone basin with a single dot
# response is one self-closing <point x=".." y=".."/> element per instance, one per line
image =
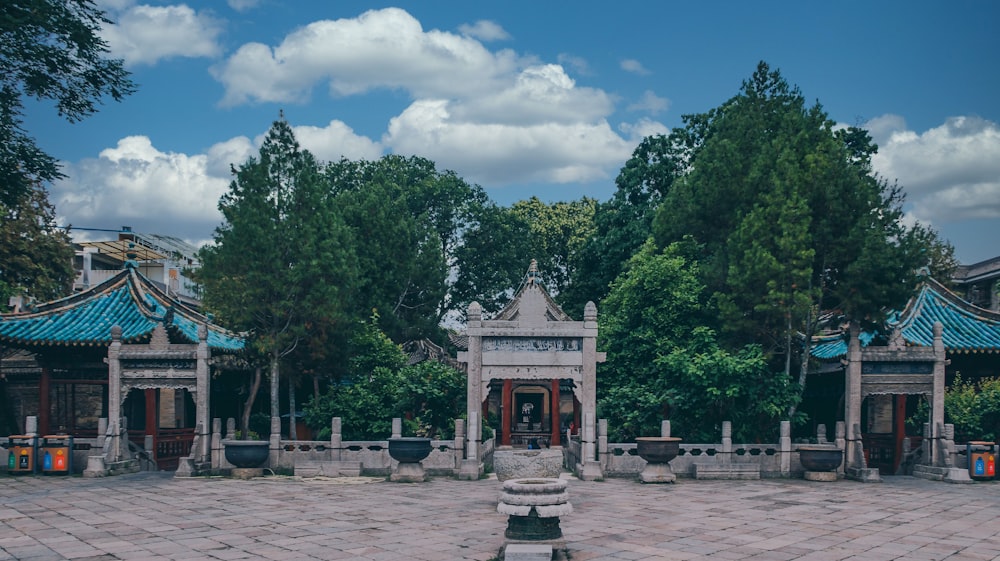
<point x="521" y="464"/>
<point x="246" y="453"/>
<point x="820" y="458"/>
<point x="533" y="506"/>
<point x="409" y="449"/>
<point x="658" y="449"/>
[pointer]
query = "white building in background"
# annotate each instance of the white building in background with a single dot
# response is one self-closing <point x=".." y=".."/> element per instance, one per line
<point x="161" y="259"/>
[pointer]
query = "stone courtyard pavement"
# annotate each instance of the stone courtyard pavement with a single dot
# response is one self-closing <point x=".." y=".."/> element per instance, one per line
<point x="156" y="516"/>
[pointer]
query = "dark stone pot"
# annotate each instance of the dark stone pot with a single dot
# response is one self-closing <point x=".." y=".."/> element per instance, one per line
<point x="409" y="449"/>
<point x="658" y="449"/>
<point x="246" y="453"/>
<point x="820" y="458"/>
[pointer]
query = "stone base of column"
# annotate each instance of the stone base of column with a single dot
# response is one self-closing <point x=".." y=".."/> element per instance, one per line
<point x="590" y="470"/>
<point x="864" y="475"/>
<point x="246" y="473"/>
<point x="657" y="473"/>
<point x="95" y="467"/>
<point x="820" y="476"/>
<point x="471" y="470"/>
<point x="409" y="472"/>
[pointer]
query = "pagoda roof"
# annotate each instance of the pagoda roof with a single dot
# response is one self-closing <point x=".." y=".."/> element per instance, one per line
<point x="967" y="328"/>
<point x="128" y="300"/>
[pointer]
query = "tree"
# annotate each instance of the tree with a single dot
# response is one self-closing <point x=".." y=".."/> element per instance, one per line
<point x="49" y="50"/>
<point x="282" y="261"/>
<point x="791" y="221"/>
<point x="665" y="363"/>
<point x="557" y="233"/>
<point x="36" y="257"/>
<point x="408" y="220"/>
<point x="622" y="224"/>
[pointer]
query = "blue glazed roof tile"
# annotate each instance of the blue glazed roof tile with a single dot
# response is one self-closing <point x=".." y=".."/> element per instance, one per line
<point x="967" y="328"/>
<point x="127" y="300"/>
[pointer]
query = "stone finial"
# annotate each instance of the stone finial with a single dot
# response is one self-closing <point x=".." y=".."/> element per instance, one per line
<point x="590" y="312"/>
<point x="116" y="333"/>
<point x="475" y="312"/>
<point x="532" y="277"/>
<point x="202" y="332"/>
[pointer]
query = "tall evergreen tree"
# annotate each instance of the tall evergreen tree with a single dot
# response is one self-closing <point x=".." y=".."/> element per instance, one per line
<point x="791" y="221"/>
<point x="282" y="262"/>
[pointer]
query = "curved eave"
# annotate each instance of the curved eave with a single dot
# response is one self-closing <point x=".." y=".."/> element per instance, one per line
<point x="967" y="328"/>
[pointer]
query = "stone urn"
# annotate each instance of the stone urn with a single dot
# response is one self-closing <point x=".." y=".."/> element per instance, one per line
<point x="409" y="451"/>
<point x="533" y="507"/>
<point x="509" y="463"/>
<point x="657" y="451"/>
<point x="820" y="461"/>
<point x="246" y="454"/>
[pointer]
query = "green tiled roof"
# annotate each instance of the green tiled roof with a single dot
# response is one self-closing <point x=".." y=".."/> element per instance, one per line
<point x="967" y="329"/>
<point x="128" y="300"/>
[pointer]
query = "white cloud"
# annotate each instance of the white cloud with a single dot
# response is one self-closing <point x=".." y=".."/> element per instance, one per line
<point x="578" y="64"/>
<point x="135" y="184"/>
<point x="147" y="34"/>
<point x="243" y="5"/>
<point x="378" y="49"/>
<point x="336" y="141"/>
<point x="643" y="128"/>
<point x="634" y="66"/>
<point x="484" y="30"/>
<point x="949" y="173"/>
<point x="499" y="153"/>
<point x="651" y="103"/>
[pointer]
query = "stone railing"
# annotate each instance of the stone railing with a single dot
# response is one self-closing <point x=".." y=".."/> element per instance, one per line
<point x="723" y="460"/>
<point x="337" y="457"/>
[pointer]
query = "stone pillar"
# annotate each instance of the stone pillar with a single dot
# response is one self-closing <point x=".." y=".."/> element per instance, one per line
<point x="275" y="442"/>
<point x="459" y="444"/>
<point x="506" y="403"/>
<point x="727" y="442"/>
<point x="474" y="383"/>
<point x="217" y="453"/>
<point x="821" y="434"/>
<point x="602" y="441"/>
<point x="785" y="448"/>
<point x="152" y="422"/>
<point x="937" y="399"/>
<point x="202" y="391"/>
<point x="115" y="395"/>
<point x="554" y="413"/>
<point x="665" y="428"/>
<point x="397" y="427"/>
<point x="841" y="442"/>
<point x="852" y="405"/>
<point x="472" y="466"/>
<point x="336" y="440"/>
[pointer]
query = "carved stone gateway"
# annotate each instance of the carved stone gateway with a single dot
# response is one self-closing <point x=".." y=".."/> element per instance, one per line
<point x="532" y="339"/>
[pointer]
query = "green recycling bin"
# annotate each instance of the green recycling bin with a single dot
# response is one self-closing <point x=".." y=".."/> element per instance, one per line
<point x="22" y="452"/>
<point x="55" y="454"/>
<point x="982" y="459"/>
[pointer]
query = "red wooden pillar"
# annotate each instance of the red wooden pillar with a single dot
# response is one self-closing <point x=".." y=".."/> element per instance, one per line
<point x="505" y="404"/>
<point x="554" y="412"/>
<point x="899" y="428"/>
<point x="44" y="403"/>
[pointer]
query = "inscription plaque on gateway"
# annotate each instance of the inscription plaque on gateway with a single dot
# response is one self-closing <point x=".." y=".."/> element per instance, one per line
<point x="533" y="344"/>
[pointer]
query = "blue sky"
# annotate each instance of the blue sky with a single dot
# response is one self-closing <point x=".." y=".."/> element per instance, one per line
<point x="542" y="99"/>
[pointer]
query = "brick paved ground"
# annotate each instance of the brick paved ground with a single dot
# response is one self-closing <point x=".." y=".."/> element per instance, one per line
<point x="155" y="516"/>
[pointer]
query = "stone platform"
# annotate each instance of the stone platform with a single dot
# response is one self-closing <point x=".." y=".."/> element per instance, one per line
<point x="148" y="516"/>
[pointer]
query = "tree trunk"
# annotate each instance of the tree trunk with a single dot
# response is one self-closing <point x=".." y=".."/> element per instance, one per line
<point x="248" y="406"/>
<point x="275" y="404"/>
<point x="291" y="410"/>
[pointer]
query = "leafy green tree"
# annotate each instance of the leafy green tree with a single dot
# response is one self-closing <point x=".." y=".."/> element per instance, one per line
<point x="622" y="224"/>
<point x="379" y="386"/>
<point x="790" y="220"/>
<point x="974" y="408"/>
<point x="49" y="50"/>
<point x="281" y="262"/>
<point x="407" y="218"/>
<point x="557" y="233"/>
<point x="36" y="257"/>
<point x="665" y="363"/>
